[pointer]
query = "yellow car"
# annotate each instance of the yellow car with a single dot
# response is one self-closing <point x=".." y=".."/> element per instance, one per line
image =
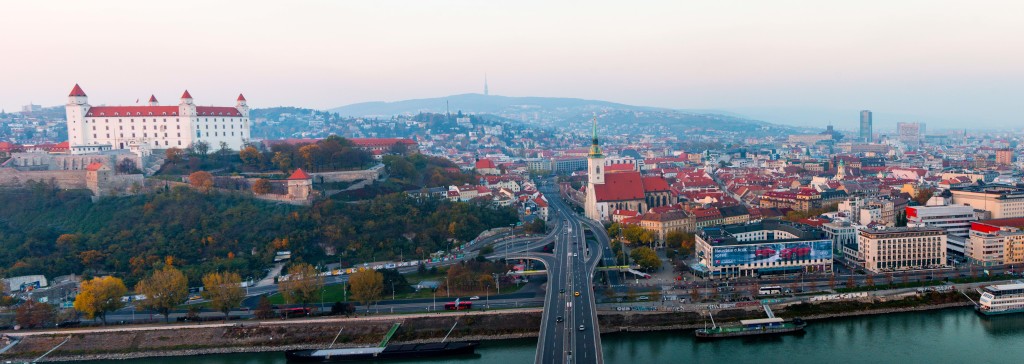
<point x="577" y="293"/>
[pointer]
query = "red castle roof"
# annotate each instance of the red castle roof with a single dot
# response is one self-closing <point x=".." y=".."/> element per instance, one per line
<point x="152" y="98"/>
<point x="117" y="111"/>
<point x="241" y="98"/>
<point x="77" y="91"/>
<point x="299" y="174"/>
<point x="186" y="95"/>
<point x="94" y="166"/>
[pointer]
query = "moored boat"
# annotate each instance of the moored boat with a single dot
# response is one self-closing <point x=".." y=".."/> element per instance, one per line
<point x="402" y="351"/>
<point x="765" y="326"/>
<point x="1001" y="299"/>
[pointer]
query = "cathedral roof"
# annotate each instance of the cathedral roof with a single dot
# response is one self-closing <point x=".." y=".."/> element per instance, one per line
<point x="624" y="186"/>
<point x="628" y="186"/>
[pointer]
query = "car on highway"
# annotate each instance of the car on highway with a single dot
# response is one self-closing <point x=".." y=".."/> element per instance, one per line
<point x="559" y="319"/>
<point x="475" y="298"/>
<point x="581" y="328"/>
<point x="643" y="298"/>
<point x="561" y="290"/>
<point x="577" y="293"/>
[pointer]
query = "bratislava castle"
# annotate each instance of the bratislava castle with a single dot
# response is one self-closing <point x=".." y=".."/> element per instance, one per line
<point x="101" y="128"/>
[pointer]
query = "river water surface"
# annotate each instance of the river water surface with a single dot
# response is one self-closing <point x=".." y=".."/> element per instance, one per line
<point x="945" y="336"/>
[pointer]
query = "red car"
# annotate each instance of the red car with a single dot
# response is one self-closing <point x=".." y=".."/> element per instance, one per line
<point x="764" y="252"/>
<point x="795" y="253"/>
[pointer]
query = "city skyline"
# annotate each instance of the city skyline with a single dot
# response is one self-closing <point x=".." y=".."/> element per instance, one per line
<point x="795" y="63"/>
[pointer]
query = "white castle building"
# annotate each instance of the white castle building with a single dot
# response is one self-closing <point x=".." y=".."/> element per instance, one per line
<point x="143" y="128"/>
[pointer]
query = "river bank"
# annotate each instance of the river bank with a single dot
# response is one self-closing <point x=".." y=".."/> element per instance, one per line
<point x="279" y="335"/>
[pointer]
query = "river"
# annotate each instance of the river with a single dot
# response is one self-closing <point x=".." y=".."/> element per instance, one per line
<point x="946" y="336"/>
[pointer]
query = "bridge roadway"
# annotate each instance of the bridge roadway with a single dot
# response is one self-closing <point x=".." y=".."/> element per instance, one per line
<point x="570" y="271"/>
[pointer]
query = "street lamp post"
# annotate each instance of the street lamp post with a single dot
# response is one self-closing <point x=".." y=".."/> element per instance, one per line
<point x="487" y="295"/>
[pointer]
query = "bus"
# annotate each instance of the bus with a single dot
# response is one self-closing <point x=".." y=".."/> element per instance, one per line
<point x="769" y="290"/>
<point x="452" y="306"/>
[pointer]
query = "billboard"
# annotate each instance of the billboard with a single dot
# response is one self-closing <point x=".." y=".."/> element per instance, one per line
<point x="771" y="252"/>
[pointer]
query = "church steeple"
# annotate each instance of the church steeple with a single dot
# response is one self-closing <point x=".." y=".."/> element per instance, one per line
<point x="840" y="170"/>
<point x="595" y="149"/>
<point x="595" y="161"/>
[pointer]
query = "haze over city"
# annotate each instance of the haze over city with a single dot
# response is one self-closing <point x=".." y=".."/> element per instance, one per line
<point x="494" y="182"/>
<point x="809" y="63"/>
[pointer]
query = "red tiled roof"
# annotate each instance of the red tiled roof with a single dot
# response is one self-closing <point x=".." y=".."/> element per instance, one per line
<point x="989" y="226"/>
<point x="816" y="222"/>
<point x="152" y="98"/>
<point x="217" y="111"/>
<point x="241" y="98"/>
<point x="655" y="184"/>
<point x="631" y="220"/>
<point x="623" y="186"/>
<point x="299" y="174"/>
<point x="540" y="202"/>
<point x="94" y="166"/>
<point x="118" y="111"/>
<point x="629" y="213"/>
<point x="77" y="91"/>
<point x="485" y="163"/>
<point x="710" y="212"/>
<point x="7" y="146"/>
<point x="619" y="167"/>
<point x="186" y="95"/>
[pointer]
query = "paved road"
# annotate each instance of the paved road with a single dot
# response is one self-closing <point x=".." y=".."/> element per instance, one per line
<point x="569" y="329"/>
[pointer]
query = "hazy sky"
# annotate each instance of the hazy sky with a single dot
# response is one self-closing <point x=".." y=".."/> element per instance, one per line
<point x="946" y="63"/>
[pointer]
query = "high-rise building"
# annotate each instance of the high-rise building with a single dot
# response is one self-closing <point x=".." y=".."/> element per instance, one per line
<point x="100" y="128"/>
<point x="910" y="133"/>
<point x="1004" y="157"/>
<point x="865" y="126"/>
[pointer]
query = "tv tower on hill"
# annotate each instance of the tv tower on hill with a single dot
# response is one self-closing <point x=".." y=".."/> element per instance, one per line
<point x="486" y="93"/>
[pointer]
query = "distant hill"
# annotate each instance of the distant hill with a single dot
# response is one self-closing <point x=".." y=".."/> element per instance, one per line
<point x="475" y="103"/>
<point x="563" y="112"/>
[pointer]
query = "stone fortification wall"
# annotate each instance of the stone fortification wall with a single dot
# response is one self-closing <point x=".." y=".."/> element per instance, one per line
<point x="373" y="173"/>
<point x="13" y="178"/>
